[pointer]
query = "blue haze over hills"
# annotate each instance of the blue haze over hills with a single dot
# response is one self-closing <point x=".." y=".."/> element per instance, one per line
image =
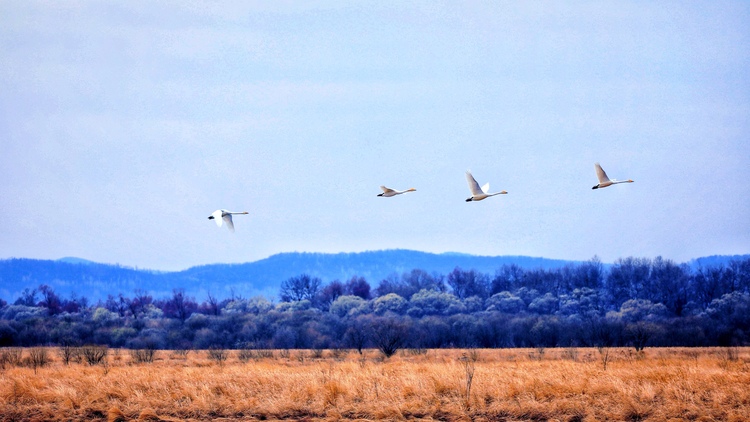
<point x="75" y="276"/>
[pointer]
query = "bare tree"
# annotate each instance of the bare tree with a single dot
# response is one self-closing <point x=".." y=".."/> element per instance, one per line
<point x="180" y="305"/>
<point x="94" y="354"/>
<point x="604" y="356"/>
<point x="10" y="356"/>
<point x="138" y="304"/>
<point x="640" y="333"/>
<point x="469" y="359"/>
<point x="38" y="357"/>
<point x="68" y="353"/>
<point x="356" y="338"/>
<point x="299" y="288"/>
<point x="389" y="335"/>
<point x="218" y="355"/>
<point x="213" y="305"/>
<point x="28" y="297"/>
<point x="143" y="355"/>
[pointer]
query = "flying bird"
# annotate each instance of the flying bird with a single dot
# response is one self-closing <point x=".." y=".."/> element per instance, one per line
<point x="604" y="180"/>
<point x="224" y="216"/>
<point x="388" y="192"/>
<point x="477" y="193"/>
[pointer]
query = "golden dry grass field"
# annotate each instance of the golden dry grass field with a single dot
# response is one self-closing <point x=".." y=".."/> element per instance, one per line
<point x="711" y="384"/>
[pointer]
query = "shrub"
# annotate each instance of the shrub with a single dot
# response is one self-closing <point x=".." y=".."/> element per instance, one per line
<point x="264" y="353"/>
<point x="143" y="355"/>
<point x="180" y="353"/>
<point x="69" y="353"/>
<point x="388" y="335"/>
<point x="10" y="356"/>
<point x="244" y="355"/>
<point x="38" y="358"/>
<point x="247" y="353"/>
<point x="571" y="353"/>
<point x="94" y="354"/>
<point x="339" y="354"/>
<point x="218" y="355"/>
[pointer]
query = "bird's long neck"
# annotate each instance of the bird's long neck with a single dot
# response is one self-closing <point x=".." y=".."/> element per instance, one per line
<point x="398" y="192"/>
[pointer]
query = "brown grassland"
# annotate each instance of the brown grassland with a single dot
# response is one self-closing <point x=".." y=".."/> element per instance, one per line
<point x="710" y="384"/>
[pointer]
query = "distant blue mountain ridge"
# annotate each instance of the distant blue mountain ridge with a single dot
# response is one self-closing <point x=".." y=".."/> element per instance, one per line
<point x="75" y="276"/>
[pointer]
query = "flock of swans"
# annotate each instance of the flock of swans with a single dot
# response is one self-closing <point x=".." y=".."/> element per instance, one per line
<point x="477" y="194"/>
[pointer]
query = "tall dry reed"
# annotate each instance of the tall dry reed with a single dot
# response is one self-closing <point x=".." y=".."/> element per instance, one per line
<point x="511" y="384"/>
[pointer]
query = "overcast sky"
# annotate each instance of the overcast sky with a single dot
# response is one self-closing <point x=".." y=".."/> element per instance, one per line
<point x="123" y="125"/>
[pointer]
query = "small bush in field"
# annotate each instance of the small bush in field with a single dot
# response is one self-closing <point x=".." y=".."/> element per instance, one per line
<point x="10" y="356"/>
<point x="38" y="358"/>
<point x="94" y="355"/>
<point x="317" y="353"/>
<point x="180" y="353"/>
<point x="604" y="356"/>
<point x="732" y="353"/>
<point x="244" y="355"/>
<point x="339" y="353"/>
<point x="264" y="353"/>
<point x="388" y="335"/>
<point x="69" y="354"/>
<point x="143" y="355"/>
<point x="571" y="353"/>
<point x="469" y="360"/>
<point x="728" y="355"/>
<point x="218" y="355"/>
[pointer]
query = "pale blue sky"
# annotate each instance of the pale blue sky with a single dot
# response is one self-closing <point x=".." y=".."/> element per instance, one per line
<point x="125" y="124"/>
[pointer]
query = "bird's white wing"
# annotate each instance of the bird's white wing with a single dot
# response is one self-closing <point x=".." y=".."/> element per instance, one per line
<point x="228" y="219"/>
<point x="386" y="190"/>
<point x="217" y="217"/>
<point x="600" y="174"/>
<point x="473" y="185"/>
<point x="486" y="187"/>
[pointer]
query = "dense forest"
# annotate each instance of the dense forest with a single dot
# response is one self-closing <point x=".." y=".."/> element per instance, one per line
<point x="635" y="302"/>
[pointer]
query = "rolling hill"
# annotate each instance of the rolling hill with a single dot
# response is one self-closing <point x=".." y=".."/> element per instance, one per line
<point x="95" y="281"/>
<point x="69" y="276"/>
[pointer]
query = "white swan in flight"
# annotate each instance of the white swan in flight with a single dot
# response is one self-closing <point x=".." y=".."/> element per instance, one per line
<point x="477" y="193"/>
<point x="388" y="192"/>
<point x="604" y="180"/>
<point x="224" y="216"/>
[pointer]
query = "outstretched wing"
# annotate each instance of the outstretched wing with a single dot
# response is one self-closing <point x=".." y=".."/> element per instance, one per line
<point x="217" y="217"/>
<point x="473" y="185"/>
<point x="486" y="187"/>
<point x="600" y="174"/>
<point x="386" y="190"/>
<point x="228" y="219"/>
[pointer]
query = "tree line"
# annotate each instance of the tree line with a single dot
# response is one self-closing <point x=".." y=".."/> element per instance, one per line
<point x="635" y="302"/>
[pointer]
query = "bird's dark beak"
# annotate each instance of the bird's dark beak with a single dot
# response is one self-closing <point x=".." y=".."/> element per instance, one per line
<point x="211" y="217"/>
